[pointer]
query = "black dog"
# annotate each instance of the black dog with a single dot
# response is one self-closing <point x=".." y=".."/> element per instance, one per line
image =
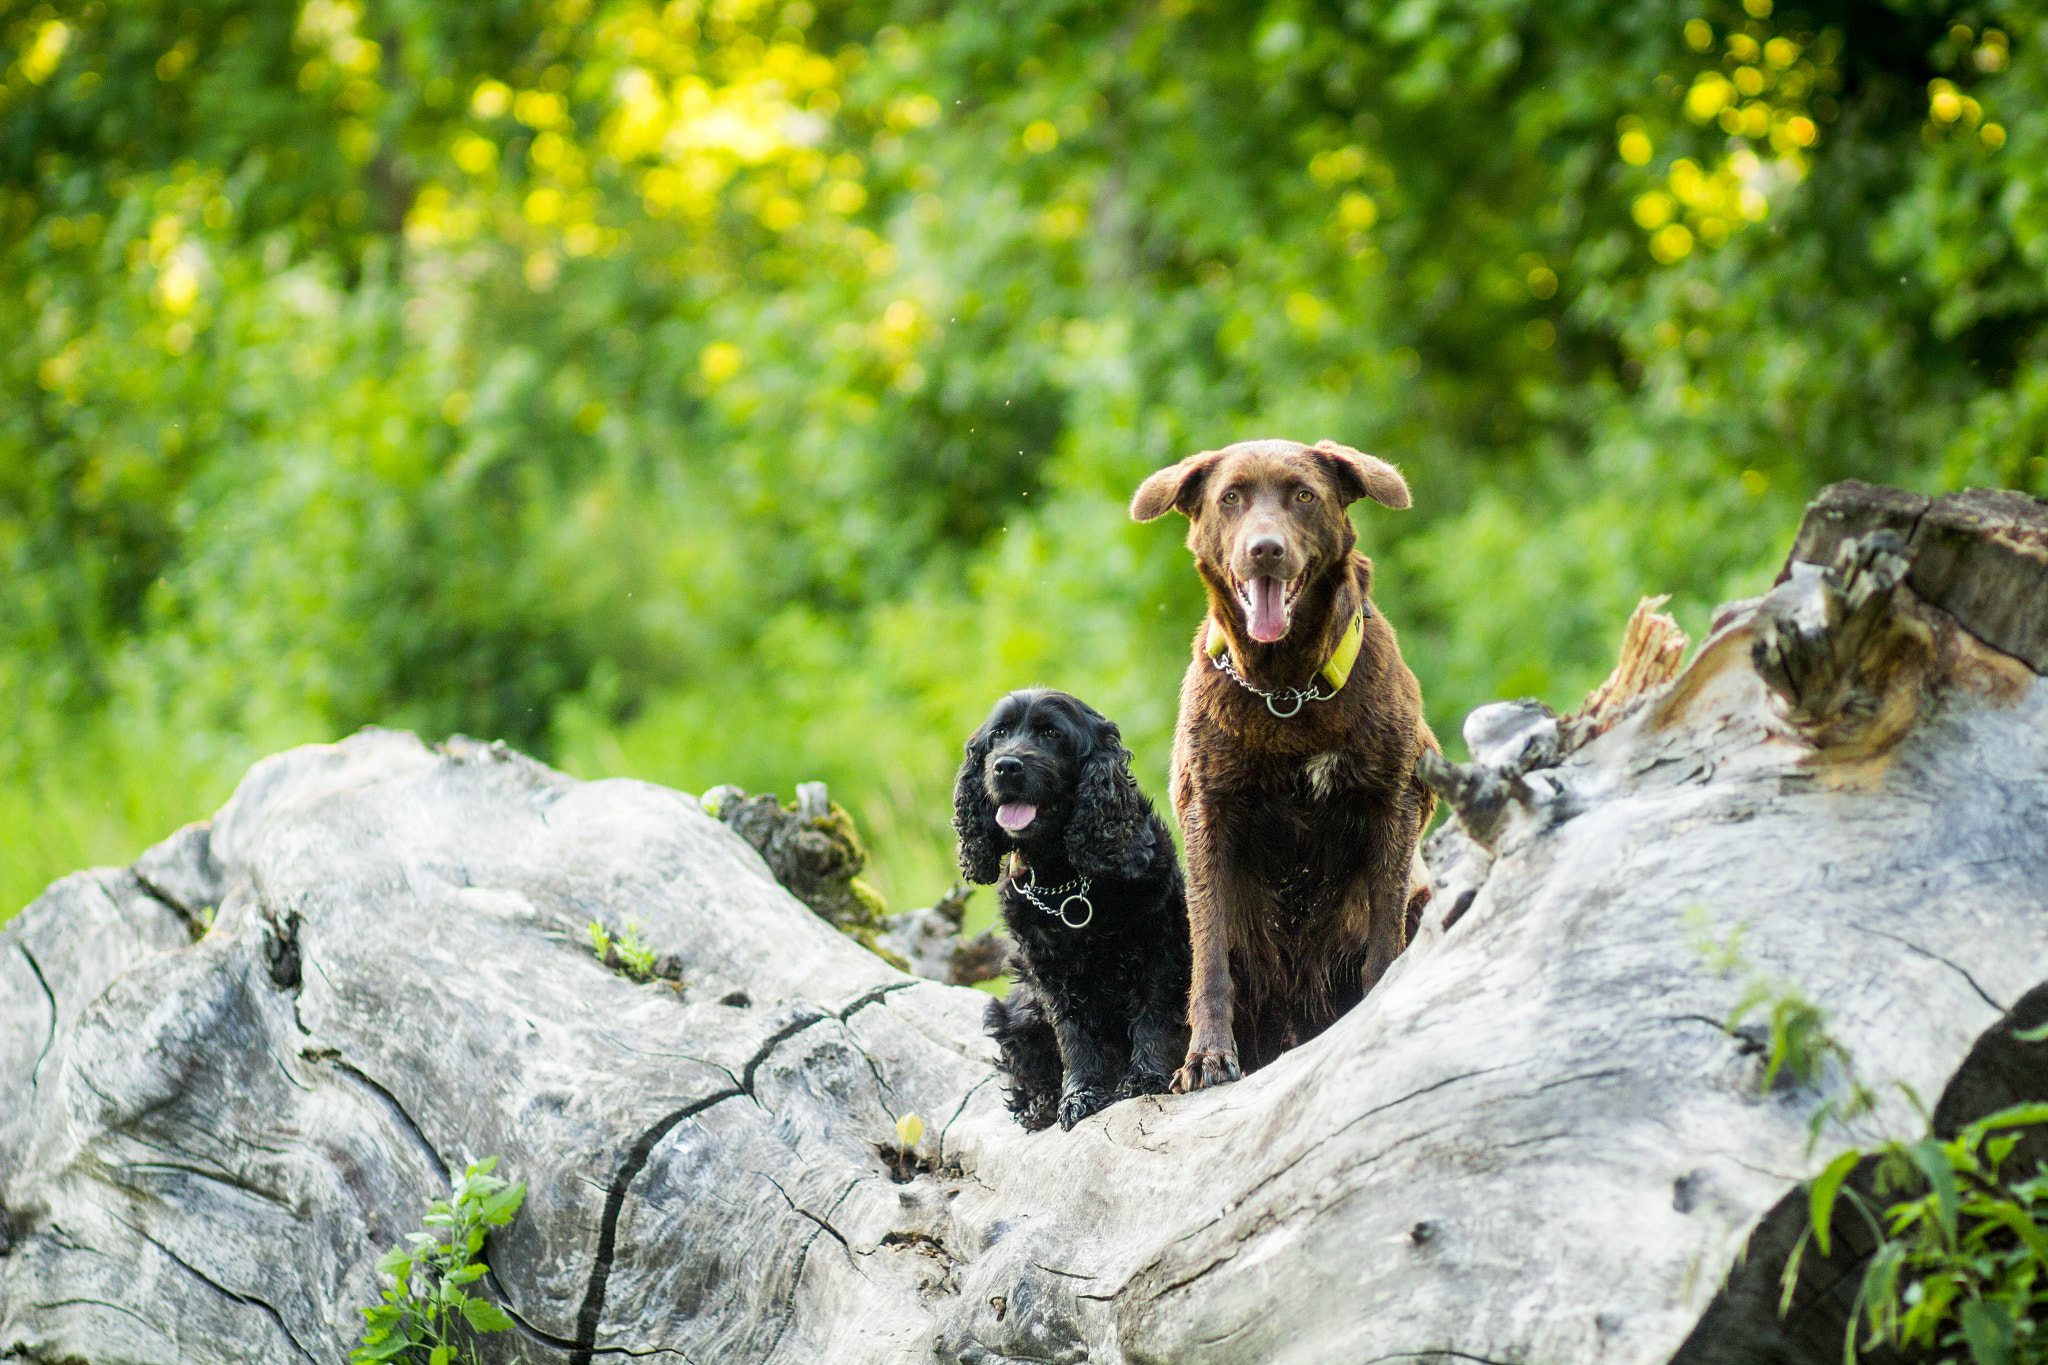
<point x="1093" y="895"/>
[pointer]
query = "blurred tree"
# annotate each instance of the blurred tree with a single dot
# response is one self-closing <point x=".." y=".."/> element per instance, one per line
<point x="751" y="392"/>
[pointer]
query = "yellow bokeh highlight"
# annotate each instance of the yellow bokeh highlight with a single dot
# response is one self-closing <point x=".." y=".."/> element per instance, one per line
<point x="39" y="62"/>
<point x="1635" y="147"/>
<point x="1671" y="243"/>
<point x="1356" y="211"/>
<point x="1759" y="97"/>
<point x="475" y="154"/>
<point x="1944" y="105"/>
<point x="720" y="361"/>
<point x="1040" y="137"/>
<point x="491" y="100"/>
<point x="1335" y="167"/>
<point x="178" y="285"/>
<point x="1062" y="222"/>
<point x="682" y="105"/>
<point x="1305" y="310"/>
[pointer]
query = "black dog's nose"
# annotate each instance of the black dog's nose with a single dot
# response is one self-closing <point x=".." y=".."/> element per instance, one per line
<point x="1266" y="548"/>
<point x="1009" y="766"/>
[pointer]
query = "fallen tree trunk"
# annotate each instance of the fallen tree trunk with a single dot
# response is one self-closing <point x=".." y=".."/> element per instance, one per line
<point x="233" y="1074"/>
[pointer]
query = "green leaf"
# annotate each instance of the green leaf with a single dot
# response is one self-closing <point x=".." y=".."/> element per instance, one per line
<point x="485" y="1316"/>
<point x="468" y="1274"/>
<point x="1999" y="1148"/>
<point x="440" y="1355"/>
<point x="1826" y="1186"/>
<point x="1788" y="1279"/>
<point x="499" y="1208"/>
<point x="909" y="1129"/>
<point x="1988" y="1329"/>
<point x="2023" y="1227"/>
<point x="396" y="1261"/>
<point x="389" y="1350"/>
<point x="2015" y="1116"/>
<point x="1933" y="1162"/>
<point x="2031" y="1035"/>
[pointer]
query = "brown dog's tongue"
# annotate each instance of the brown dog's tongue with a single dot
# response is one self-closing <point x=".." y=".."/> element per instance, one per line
<point x="1268" y="618"/>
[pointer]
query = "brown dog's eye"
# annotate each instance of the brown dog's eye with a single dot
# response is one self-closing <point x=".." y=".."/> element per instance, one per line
<point x="1230" y="499"/>
<point x="1304" y="496"/>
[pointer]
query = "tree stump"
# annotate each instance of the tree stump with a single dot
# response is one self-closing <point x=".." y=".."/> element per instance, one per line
<point x="233" y="1074"/>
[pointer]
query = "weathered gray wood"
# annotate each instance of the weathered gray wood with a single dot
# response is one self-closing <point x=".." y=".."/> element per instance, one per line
<point x="1533" y="1142"/>
<point x="1980" y="555"/>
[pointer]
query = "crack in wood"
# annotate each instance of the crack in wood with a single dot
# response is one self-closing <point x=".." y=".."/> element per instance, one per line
<point x="249" y="1300"/>
<point x="35" y="1073"/>
<point x="615" y="1203"/>
<point x="585" y="1345"/>
<point x="397" y="1110"/>
<point x="1911" y="946"/>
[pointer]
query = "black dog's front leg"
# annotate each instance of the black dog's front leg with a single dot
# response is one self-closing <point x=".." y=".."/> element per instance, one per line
<point x="1159" y="1033"/>
<point x="1085" y="1056"/>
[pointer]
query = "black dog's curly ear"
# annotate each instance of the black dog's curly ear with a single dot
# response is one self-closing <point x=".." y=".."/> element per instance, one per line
<point x="974" y="815"/>
<point x="1108" y="835"/>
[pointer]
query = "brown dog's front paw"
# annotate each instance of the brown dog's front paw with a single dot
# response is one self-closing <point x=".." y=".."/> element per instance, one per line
<point x="1204" y="1069"/>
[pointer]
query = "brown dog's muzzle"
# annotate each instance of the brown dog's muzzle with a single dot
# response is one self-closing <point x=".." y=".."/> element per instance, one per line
<point x="1267" y="569"/>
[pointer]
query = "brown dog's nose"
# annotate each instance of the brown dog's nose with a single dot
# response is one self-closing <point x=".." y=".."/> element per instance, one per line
<point x="1265" y="550"/>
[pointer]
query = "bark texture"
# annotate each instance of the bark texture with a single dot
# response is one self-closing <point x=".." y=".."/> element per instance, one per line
<point x="233" y="1074"/>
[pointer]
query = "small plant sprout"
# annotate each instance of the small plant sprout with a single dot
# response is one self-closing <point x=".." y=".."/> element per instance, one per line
<point x="628" y="953"/>
<point x="1723" y="957"/>
<point x="638" y="957"/>
<point x="428" y="1317"/>
<point x="909" y="1132"/>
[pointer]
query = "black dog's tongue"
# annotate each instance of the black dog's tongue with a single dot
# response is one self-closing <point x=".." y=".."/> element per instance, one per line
<point x="1269" y="613"/>
<point x="1015" y="815"/>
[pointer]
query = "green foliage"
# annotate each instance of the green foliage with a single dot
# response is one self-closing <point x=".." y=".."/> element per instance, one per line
<point x="749" y="393"/>
<point x="1960" y="1264"/>
<point x="428" y="1316"/>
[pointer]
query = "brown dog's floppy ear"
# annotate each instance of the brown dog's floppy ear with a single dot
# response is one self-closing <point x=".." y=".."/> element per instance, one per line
<point x="1362" y="476"/>
<point x="1178" y="486"/>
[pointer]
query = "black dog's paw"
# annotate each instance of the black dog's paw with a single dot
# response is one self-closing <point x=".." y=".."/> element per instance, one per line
<point x="1036" y="1111"/>
<point x="1144" y="1081"/>
<point x="1081" y="1101"/>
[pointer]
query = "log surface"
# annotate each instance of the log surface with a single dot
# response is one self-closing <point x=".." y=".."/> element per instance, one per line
<point x="234" y="1074"/>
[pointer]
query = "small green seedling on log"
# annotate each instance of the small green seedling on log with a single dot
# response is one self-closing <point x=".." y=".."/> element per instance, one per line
<point x="428" y="1316"/>
<point x="634" y="957"/>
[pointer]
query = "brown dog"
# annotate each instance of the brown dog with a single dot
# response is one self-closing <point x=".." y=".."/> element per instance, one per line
<point x="1294" y="760"/>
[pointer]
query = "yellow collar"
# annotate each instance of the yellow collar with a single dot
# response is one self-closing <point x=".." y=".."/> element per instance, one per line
<point x="1336" y="669"/>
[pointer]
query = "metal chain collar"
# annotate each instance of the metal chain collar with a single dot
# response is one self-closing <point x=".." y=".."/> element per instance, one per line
<point x="1079" y="892"/>
<point x="1297" y="695"/>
